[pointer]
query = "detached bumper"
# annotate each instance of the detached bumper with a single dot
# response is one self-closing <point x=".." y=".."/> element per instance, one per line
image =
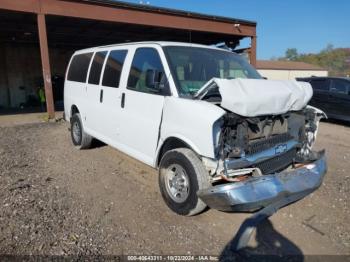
<point x="259" y="192"/>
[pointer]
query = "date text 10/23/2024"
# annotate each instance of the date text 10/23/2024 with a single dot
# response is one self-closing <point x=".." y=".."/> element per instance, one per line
<point x="172" y="258"/>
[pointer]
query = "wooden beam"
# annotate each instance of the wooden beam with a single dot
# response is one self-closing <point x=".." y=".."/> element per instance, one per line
<point x="44" y="51"/>
<point x="31" y="6"/>
<point x="253" y="51"/>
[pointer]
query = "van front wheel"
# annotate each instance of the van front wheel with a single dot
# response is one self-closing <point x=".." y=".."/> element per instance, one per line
<point x="181" y="175"/>
<point x="80" y="139"/>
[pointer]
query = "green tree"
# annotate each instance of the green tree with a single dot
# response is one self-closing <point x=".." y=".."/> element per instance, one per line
<point x="335" y="60"/>
<point x="291" y="54"/>
<point x="329" y="48"/>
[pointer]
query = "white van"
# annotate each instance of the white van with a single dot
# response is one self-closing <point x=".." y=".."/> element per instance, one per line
<point x="219" y="134"/>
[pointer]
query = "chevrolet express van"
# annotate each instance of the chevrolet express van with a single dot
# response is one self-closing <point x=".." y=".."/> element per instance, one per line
<point x="219" y="134"/>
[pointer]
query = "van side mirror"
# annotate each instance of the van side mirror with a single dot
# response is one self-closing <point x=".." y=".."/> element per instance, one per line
<point x="153" y="79"/>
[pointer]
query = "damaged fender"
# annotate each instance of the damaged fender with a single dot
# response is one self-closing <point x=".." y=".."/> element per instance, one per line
<point x="312" y="128"/>
<point x="190" y="121"/>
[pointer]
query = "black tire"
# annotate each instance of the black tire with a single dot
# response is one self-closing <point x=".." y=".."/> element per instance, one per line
<point x="80" y="139"/>
<point x="197" y="179"/>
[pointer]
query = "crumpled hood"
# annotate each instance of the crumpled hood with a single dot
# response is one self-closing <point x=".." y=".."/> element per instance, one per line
<point x="256" y="97"/>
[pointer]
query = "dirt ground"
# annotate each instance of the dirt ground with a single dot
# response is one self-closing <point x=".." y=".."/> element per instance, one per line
<point x="56" y="200"/>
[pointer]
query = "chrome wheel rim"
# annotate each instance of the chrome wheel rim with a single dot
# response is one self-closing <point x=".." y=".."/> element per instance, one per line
<point x="177" y="183"/>
<point x="76" y="132"/>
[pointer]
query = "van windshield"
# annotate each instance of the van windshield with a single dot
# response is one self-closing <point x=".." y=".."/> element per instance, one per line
<point x="192" y="67"/>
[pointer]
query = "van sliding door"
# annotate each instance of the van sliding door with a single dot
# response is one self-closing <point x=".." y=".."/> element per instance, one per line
<point x="94" y="103"/>
<point x="110" y="114"/>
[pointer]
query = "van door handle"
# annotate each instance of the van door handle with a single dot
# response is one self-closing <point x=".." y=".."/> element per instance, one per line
<point x="101" y="96"/>
<point x="122" y="102"/>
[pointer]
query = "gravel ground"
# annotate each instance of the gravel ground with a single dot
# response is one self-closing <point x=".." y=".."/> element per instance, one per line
<point x="56" y="200"/>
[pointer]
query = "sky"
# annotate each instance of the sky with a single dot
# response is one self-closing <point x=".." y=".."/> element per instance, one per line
<point x="308" y="25"/>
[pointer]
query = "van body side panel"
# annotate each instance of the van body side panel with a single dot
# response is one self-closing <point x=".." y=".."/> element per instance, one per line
<point x="191" y="121"/>
<point x="76" y="95"/>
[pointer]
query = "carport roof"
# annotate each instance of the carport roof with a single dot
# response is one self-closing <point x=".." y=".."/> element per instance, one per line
<point x="136" y="14"/>
<point x="87" y="23"/>
<point x="178" y="12"/>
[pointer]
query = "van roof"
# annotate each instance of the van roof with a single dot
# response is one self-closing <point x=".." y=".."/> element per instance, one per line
<point x="161" y="43"/>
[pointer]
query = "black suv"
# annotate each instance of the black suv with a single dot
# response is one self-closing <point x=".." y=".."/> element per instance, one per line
<point x="332" y="95"/>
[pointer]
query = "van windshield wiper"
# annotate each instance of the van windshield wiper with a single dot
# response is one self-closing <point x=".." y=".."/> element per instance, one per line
<point x="207" y="87"/>
<point x="204" y="89"/>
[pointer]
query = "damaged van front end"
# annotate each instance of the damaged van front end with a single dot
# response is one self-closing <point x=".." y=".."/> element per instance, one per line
<point x="255" y="192"/>
<point x="263" y="149"/>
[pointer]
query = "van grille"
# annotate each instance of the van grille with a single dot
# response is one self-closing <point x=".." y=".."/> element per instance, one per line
<point x="277" y="163"/>
<point x="266" y="143"/>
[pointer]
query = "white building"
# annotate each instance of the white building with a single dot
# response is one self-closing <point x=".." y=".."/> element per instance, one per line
<point x="287" y="70"/>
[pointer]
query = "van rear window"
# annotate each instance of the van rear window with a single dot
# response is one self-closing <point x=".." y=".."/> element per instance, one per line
<point x="79" y="67"/>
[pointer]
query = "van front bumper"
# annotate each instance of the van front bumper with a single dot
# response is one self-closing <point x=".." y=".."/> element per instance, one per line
<point x="259" y="192"/>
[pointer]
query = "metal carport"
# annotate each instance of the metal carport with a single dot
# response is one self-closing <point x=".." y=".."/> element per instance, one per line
<point x="69" y="25"/>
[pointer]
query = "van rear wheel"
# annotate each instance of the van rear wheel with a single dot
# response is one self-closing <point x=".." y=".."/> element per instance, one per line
<point x="181" y="175"/>
<point x="80" y="139"/>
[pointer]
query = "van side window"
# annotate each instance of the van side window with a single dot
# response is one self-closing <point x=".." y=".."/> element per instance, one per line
<point x="145" y="59"/>
<point x="113" y="68"/>
<point x="96" y="67"/>
<point x="79" y="67"/>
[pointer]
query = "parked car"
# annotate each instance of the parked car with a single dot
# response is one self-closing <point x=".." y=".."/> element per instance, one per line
<point x="220" y="135"/>
<point x="332" y="95"/>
